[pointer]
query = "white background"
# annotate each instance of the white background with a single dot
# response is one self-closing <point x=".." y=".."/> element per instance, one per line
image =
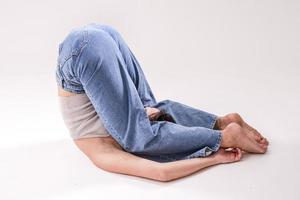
<point x="221" y="56"/>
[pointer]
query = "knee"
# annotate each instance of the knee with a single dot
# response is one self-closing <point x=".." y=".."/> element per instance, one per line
<point x="100" y="51"/>
<point x="72" y="43"/>
<point x="113" y="33"/>
<point x="110" y="29"/>
<point x="100" y="45"/>
<point x="96" y="35"/>
<point x="166" y="102"/>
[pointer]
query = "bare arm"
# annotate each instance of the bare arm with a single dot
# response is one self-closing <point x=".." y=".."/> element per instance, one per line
<point x="106" y="154"/>
<point x="177" y="169"/>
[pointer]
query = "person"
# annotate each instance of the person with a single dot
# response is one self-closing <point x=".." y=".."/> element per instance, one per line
<point x="116" y="121"/>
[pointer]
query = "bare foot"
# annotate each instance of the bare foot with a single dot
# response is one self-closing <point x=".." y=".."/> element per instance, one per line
<point x="235" y="135"/>
<point x="258" y="137"/>
<point x="222" y="122"/>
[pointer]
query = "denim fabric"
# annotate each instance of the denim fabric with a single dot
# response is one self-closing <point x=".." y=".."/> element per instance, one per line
<point x="96" y="60"/>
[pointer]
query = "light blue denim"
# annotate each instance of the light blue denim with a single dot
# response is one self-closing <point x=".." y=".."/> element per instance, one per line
<point x="96" y="60"/>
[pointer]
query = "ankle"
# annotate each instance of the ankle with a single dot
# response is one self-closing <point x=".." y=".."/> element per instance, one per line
<point x="219" y="125"/>
<point x="227" y="140"/>
<point x="234" y="117"/>
<point x="230" y="135"/>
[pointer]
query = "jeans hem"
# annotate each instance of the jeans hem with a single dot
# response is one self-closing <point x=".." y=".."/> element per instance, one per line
<point x="213" y="123"/>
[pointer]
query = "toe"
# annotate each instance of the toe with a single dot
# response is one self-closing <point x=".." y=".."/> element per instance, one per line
<point x="264" y="141"/>
<point x="264" y="148"/>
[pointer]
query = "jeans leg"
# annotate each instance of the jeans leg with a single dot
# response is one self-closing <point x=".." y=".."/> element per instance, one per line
<point x="132" y="65"/>
<point x="183" y="114"/>
<point x="186" y="115"/>
<point x="101" y="69"/>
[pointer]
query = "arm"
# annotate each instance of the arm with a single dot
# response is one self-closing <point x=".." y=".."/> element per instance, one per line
<point x="106" y="154"/>
<point x="177" y="169"/>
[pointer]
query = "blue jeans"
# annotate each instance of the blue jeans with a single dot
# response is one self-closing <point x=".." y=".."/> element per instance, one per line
<point x="96" y="60"/>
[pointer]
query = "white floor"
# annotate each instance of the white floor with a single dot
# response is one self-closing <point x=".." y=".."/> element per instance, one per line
<point x="217" y="56"/>
<point x="56" y="170"/>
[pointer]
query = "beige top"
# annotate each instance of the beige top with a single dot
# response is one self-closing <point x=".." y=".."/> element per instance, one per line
<point x="80" y="117"/>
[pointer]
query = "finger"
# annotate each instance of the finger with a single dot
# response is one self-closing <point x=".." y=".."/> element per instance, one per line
<point x="233" y="154"/>
<point x="234" y="150"/>
<point x="239" y="154"/>
<point x="229" y="149"/>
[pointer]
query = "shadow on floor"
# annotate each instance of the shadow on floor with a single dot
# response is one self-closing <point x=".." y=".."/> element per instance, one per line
<point x="54" y="168"/>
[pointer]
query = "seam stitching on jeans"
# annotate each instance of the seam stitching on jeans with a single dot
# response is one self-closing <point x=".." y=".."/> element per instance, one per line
<point x="114" y="131"/>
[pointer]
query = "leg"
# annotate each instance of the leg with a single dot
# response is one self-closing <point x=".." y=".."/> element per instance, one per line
<point x="186" y="115"/>
<point x="91" y="60"/>
<point x="189" y="116"/>
<point x="101" y="69"/>
<point x="231" y="125"/>
<point x="132" y="65"/>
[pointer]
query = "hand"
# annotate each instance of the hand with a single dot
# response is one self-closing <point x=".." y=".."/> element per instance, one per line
<point x="151" y="112"/>
<point x="228" y="155"/>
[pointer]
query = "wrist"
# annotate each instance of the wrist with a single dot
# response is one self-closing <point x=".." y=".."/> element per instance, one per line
<point x="210" y="160"/>
<point x="216" y="159"/>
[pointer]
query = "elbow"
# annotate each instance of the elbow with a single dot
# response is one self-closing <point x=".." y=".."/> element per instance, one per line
<point x="103" y="165"/>
<point x="100" y="165"/>
<point x="163" y="178"/>
<point x="107" y="168"/>
<point x="163" y="175"/>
